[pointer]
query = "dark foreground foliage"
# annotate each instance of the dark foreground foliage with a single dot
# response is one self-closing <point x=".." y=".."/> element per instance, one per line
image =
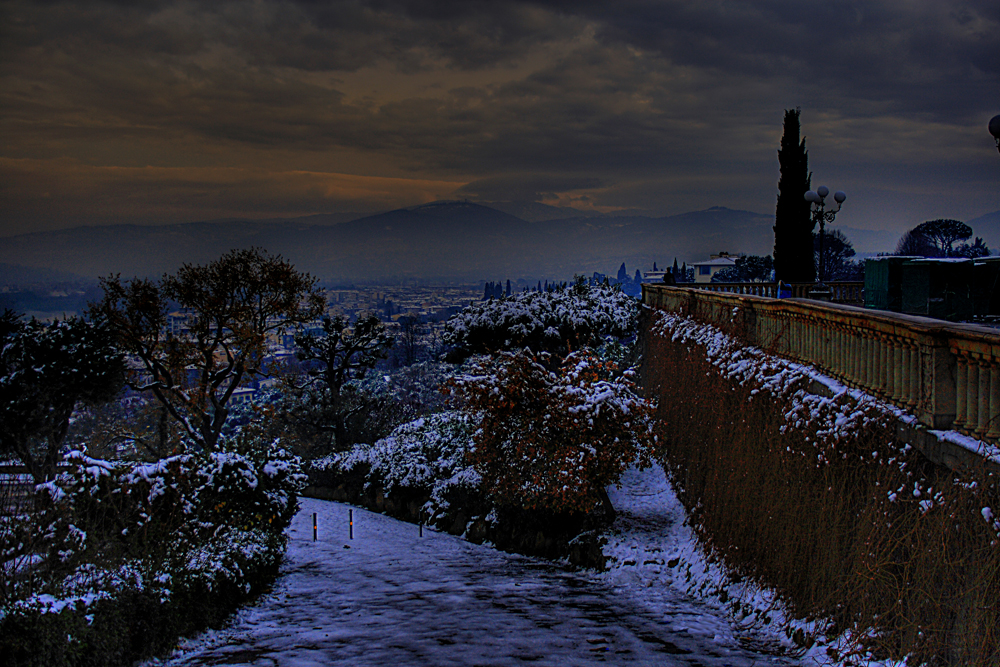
<point x="118" y="560"/>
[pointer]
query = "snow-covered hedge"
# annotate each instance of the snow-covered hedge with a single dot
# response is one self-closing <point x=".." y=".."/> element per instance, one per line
<point x="122" y="558"/>
<point x="553" y="321"/>
<point x="426" y="455"/>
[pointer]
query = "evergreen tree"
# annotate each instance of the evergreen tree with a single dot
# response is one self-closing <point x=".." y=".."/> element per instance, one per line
<point x="488" y="291"/>
<point x="793" y="227"/>
<point x="674" y="270"/>
<point x="46" y="370"/>
<point x="638" y="277"/>
<point x="683" y="278"/>
<point x="508" y="287"/>
<point x="622" y="273"/>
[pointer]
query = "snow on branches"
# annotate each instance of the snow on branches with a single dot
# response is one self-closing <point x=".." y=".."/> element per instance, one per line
<point x="556" y="321"/>
<point x="554" y="438"/>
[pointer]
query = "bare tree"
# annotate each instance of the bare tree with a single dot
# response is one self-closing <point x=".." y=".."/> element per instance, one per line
<point x="230" y="308"/>
<point x="410" y="329"/>
<point x="338" y="355"/>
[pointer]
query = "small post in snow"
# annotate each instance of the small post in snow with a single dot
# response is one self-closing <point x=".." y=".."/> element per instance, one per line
<point x="421" y="524"/>
<point x="350" y="521"/>
<point x="314" y="526"/>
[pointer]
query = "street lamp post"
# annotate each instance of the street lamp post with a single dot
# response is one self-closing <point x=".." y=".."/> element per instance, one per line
<point x="817" y="201"/>
<point x="995" y="129"/>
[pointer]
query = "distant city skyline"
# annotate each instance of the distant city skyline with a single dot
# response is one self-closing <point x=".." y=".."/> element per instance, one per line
<point x="171" y="111"/>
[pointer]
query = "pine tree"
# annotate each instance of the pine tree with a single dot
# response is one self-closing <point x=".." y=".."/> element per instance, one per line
<point x="622" y="273"/>
<point x="508" y="287"/>
<point x="793" y="227"/>
<point x="675" y="270"/>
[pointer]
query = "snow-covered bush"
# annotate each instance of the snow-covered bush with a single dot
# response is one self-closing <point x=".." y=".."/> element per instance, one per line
<point x="554" y="439"/>
<point x="427" y="455"/>
<point x="185" y="539"/>
<point x="556" y="321"/>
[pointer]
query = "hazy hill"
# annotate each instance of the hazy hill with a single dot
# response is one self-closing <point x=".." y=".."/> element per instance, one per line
<point x="441" y="240"/>
<point x="535" y="212"/>
<point x="988" y="227"/>
<point x="15" y="276"/>
<point x="869" y="240"/>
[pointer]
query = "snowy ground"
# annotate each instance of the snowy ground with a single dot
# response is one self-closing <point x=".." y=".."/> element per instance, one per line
<point x="389" y="597"/>
<point x="654" y="557"/>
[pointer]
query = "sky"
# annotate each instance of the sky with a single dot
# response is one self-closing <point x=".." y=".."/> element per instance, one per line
<point x="165" y="111"/>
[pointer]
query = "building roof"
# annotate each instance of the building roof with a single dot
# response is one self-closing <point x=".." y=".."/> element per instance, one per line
<point x="721" y="261"/>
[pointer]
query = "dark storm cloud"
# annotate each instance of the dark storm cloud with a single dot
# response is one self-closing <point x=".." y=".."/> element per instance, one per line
<point x="914" y="57"/>
<point x="674" y="103"/>
<point x="466" y="35"/>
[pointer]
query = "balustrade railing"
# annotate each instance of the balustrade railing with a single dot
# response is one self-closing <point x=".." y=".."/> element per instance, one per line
<point x="842" y="291"/>
<point x="946" y="374"/>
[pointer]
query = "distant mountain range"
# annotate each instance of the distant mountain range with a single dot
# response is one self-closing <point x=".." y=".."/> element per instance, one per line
<point x="449" y="240"/>
<point x="437" y="241"/>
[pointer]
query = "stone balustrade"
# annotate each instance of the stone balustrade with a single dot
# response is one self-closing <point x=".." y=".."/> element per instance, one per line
<point x="842" y="291"/>
<point x="946" y="374"/>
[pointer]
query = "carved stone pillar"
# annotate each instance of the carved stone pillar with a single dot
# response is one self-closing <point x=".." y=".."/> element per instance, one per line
<point x="895" y="370"/>
<point x="883" y="368"/>
<point x="904" y="373"/>
<point x="868" y="381"/>
<point x="984" y="398"/>
<point x="916" y="376"/>
<point x="971" y="389"/>
<point x="961" y="380"/>
<point x="993" y="432"/>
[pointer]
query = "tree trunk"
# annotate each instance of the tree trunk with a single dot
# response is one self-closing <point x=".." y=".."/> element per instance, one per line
<point x="609" y="510"/>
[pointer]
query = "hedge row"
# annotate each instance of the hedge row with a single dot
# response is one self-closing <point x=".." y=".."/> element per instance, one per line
<point x="118" y="560"/>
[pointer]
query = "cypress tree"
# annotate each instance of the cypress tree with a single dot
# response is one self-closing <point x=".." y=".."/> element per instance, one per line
<point x="793" y="227"/>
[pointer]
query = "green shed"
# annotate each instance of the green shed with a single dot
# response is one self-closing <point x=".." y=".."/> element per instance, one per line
<point x="938" y="287"/>
<point x="884" y="281"/>
<point x="985" y="281"/>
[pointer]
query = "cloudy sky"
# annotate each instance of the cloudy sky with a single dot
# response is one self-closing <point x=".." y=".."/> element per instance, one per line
<point x="152" y="111"/>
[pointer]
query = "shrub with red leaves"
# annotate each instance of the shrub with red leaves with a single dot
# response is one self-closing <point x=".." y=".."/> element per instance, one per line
<point x="554" y="439"/>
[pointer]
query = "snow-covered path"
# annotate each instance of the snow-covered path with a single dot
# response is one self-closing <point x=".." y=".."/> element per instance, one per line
<point x="389" y="597"/>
